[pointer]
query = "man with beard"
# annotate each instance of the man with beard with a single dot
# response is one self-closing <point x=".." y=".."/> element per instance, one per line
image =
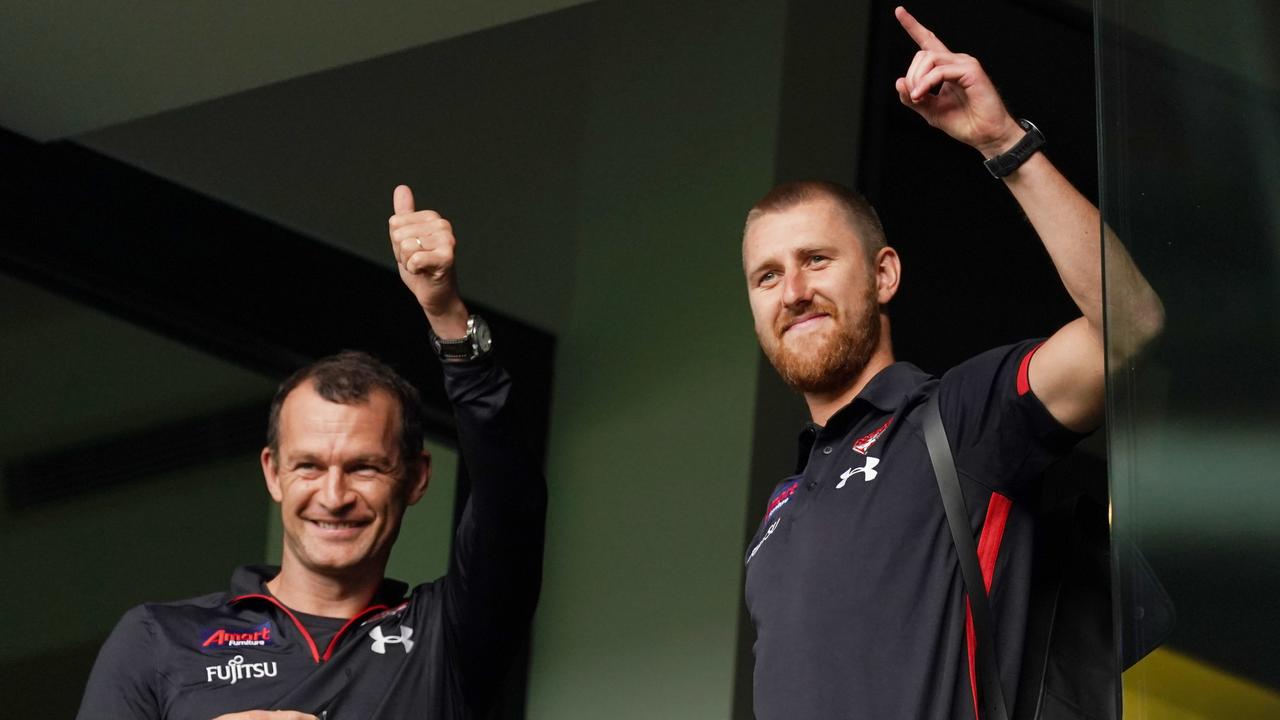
<point x="853" y="581"/>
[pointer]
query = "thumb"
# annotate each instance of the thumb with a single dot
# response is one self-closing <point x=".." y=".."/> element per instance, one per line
<point x="402" y="199"/>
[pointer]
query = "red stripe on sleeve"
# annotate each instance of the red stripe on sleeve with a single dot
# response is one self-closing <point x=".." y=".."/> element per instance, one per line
<point x="1024" y="371"/>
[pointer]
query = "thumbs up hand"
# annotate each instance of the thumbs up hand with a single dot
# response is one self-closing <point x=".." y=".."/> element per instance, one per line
<point x="423" y="244"/>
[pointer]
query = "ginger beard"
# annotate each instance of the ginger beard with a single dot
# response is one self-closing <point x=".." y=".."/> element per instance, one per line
<point x="829" y="361"/>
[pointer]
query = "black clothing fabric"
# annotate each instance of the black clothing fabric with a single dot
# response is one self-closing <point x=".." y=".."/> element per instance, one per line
<point x="436" y="653"/>
<point x="852" y="579"/>
<point x="321" y="629"/>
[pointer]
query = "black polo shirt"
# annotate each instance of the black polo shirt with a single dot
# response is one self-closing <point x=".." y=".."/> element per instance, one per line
<point x="852" y="579"/>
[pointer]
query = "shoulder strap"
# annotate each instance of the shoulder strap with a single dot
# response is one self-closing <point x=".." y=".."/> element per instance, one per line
<point x="944" y="468"/>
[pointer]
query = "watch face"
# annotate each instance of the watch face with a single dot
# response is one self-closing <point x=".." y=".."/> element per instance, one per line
<point x="482" y="337"/>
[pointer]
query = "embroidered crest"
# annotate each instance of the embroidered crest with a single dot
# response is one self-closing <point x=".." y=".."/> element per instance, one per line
<point x="864" y="443"/>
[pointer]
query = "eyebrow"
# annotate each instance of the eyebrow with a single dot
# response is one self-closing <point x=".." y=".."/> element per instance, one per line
<point x="372" y="460"/>
<point x="828" y="249"/>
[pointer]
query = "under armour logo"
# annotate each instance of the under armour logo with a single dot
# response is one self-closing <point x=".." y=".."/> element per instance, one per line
<point x="867" y="470"/>
<point x="380" y="641"/>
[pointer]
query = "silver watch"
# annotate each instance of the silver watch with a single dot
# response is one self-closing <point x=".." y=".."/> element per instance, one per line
<point x="475" y="344"/>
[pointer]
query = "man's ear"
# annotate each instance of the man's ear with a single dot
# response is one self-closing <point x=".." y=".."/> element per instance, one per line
<point x="888" y="274"/>
<point x="419" y="478"/>
<point x="271" y="475"/>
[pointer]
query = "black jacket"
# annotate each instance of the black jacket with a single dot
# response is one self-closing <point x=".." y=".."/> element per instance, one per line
<point x="436" y="653"/>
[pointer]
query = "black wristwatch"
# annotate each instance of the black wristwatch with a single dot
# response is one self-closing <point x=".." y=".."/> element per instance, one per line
<point x="475" y="344"/>
<point x="1005" y="163"/>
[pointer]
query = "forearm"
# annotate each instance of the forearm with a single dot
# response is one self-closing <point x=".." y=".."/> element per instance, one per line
<point x="495" y="581"/>
<point x="499" y="542"/>
<point x="493" y="445"/>
<point x="1069" y="226"/>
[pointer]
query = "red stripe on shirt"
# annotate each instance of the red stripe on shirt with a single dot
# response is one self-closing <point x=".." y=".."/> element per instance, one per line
<point x="782" y="497"/>
<point x="988" y="552"/>
<point x="1024" y="371"/>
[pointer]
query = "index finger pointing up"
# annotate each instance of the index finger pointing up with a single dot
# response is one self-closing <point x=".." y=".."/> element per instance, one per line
<point x="921" y="34"/>
<point x="402" y="200"/>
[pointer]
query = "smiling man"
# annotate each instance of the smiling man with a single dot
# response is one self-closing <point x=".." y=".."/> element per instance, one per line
<point x="326" y="635"/>
<point x="853" y="581"/>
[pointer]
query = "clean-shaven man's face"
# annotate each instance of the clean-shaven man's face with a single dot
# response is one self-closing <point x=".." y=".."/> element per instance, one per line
<point x="340" y="482"/>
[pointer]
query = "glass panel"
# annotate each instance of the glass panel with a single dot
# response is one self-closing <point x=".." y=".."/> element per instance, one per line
<point x="1190" y="159"/>
<point x="128" y="470"/>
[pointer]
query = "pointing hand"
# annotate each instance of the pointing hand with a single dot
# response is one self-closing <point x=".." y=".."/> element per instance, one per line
<point x="967" y="107"/>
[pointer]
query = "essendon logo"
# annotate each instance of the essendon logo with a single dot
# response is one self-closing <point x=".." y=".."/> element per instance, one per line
<point x="397" y="610"/>
<point x="865" y="442"/>
<point x="782" y="499"/>
<point x="221" y="637"/>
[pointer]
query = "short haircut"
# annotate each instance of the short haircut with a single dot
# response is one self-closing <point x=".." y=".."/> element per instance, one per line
<point x="349" y="378"/>
<point x="862" y="217"/>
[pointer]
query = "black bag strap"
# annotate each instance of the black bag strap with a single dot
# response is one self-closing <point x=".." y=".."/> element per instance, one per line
<point x="944" y="468"/>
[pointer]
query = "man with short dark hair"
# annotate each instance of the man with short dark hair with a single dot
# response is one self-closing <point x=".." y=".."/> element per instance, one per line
<point x="852" y="580"/>
<point x="326" y="635"/>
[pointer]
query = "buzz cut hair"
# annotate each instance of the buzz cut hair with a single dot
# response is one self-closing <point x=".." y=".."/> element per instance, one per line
<point x="861" y="215"/>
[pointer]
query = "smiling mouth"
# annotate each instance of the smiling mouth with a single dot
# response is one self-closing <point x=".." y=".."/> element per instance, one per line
<point x="337" y="524"/>
<point x="803" y="321"/>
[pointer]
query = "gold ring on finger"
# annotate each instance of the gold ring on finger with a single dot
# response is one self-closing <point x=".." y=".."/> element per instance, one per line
<point x="419" y="241"/>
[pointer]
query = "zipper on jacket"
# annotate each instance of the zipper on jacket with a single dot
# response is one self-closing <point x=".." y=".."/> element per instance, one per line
<point x="311" y="643"/>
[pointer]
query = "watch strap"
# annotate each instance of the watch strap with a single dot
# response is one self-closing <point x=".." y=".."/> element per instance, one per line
<point x="461" y="349"/>
<point x="1005" y="163"/>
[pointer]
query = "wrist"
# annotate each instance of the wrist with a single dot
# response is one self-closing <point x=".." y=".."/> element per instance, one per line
<point x="1004" y="163"/>
<point x="448" y="320"/>
<point x="1002" y="142"/>
<point x="475" y="343"/>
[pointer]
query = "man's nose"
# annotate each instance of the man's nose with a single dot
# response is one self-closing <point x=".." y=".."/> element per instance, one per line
<point x="796" y="289"/>
<point x="335" y="492"/>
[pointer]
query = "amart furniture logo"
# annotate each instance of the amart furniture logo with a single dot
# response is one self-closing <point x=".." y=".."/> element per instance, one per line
<point x="258" y="636"/>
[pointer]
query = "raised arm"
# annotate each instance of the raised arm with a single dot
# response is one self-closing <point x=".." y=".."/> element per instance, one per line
<point x="954" y="94"/>
<point x="493" y="582"/>
<point x="423" y="244"/>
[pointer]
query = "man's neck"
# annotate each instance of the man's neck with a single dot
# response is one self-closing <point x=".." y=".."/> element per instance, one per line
<point x="823" y="405"/>
<point x="312" y="593"/>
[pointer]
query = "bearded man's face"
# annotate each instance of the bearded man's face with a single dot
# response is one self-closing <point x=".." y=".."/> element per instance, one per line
<point x="813" y="295"/>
